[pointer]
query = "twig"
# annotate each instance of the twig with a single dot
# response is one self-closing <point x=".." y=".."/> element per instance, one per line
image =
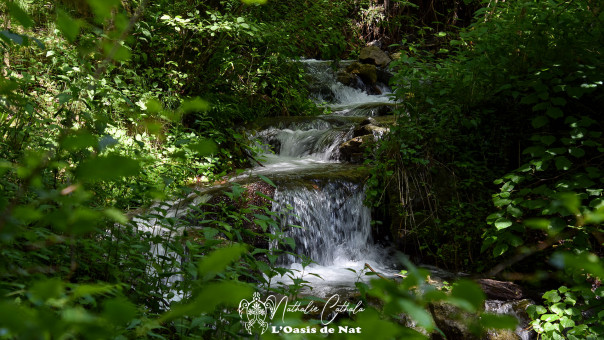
<point x="376" y="273"/>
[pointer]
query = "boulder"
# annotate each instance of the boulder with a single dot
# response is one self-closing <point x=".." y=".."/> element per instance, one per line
<point x="374" y="55"/>
<point x="352" y="150"/>
<point x="367" y="72"/>
<point x="452" y="321"/>
<point x="346" y="78"/>
<point x="456" y="323"/>
<point x="370" y="129"/>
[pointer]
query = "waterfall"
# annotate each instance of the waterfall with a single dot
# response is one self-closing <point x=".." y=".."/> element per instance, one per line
<point x="334" y="223"/>
<point x="327" y="218"/>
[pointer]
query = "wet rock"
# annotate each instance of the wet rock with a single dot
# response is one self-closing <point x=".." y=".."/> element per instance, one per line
<point x="352" y="150"/>
<point x="346" y="78"/>
<point x="452" y="321"/>
<point x="500" y="290"/>
<point x="367" y="72"/>
<point x="516" y="308"/>
<point x="369" y="120"/>
<point x="370" y="129"/>
<point x="374" y="55"/>
<point x="384" y="76"/>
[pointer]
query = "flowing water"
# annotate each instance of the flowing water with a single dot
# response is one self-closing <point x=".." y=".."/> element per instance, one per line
<point x="333" y="226"/>
<point x="324" y="195"/>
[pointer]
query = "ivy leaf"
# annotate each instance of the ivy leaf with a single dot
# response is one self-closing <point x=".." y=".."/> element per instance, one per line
<point x="502" y="223"/>
<point x="548" y="140"/>
<point x="540" y="121"/>
<point x="563" y="163"/>
<point x="554" y="112"/>
<point x="577" y="152"/>
<point x="500" y="248"/>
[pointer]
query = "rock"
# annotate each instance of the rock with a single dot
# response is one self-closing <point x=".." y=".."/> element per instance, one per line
<point x="369" y="120"/>
<point x="367" y="72"/>
<point x="352" y="150"/>
<point x="346" y="78"/>
<point x="455" y="323"/>
<point x="516" y="308"/>
<point x="374" y="55"/>
<point x="452" y="321"/>
<point x="384" y="76"/>
<point x="370" y="129"/>
<point x="500" y="290"/>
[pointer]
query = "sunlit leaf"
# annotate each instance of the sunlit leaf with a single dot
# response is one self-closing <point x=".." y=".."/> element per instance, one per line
<point x="19" y="14"/>
<point x="217" y="261"/>
<point x="69" y="26"/>
<point x="107" y="168"/>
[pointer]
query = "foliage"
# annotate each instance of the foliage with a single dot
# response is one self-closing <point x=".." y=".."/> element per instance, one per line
<point x="573" y="313"/>
<point x="107" y="106"/>
<point x="508" y="80"/>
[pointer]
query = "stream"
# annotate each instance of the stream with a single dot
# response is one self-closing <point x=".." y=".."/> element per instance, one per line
<point x="323" y="193"/>
<point x="302" y="157"/>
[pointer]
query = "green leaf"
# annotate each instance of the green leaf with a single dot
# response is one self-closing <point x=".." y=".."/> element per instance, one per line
<point x="500" y="248"/>
<point x="10" y="37"/>
<point x="116" y="215"/>
<point x="79" y="139"/>
<point x="290" y="242"/>
<point x="502" y="223"/>
<point x="563" y="163"/>
<point x="267" y="180"/>
<point x="217" y="261"/>
<point x="254" y="2"/>
<point x="19" y="14"/>
<point x="495" y="321"/>
<point x="554" y="112"/>
<point x="195" y="105"/>
<point x="469" y="291"/>
<point x="204" y="147"/>
<point x="417" y="313"/>
<point x="69" y="26"/>
<point x="566" y="322"/>
<point x="577" y="152"/>
<point x="552" y="296"/>
<point x="209" y="297"/>
<point x="548" y="140"/>
<point x="540" y="121"/>
<point x="107" y="168"/>
<point x="119" y="311"/>
<point x="47" y="289"/>
<point x="537" y="223"/>
<point x="102" y="8"/>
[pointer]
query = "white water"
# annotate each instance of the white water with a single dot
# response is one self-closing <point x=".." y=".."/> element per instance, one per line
<point x="344" y="100"/>
<point x="333" y="225"/>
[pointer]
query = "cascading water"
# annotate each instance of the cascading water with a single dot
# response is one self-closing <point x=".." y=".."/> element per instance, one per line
<point x="332" y="226"/>
<point x="335" y="223"/>
<point x="324" y="196"/>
